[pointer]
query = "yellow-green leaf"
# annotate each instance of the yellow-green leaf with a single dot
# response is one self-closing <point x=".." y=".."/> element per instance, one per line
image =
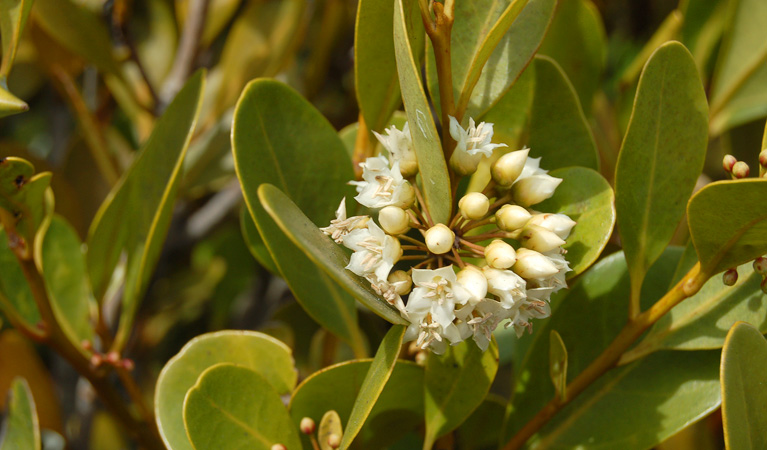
<point x="13" y="16"/>
<point x="558" y="364"/>
<point x="21" y="430"/>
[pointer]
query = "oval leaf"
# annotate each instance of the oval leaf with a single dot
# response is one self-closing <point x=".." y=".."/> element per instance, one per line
<point x="255" y="243"/>
<point x="23" y="197"/>
<point x="254" y="418"/>
<point x="329" y="425"/>
<point x="13" y="16"/>
<point x="661" y="156"/>
<point x="15" y="296"/>
<point x="21" y="430"/>
<point x="255" y="351"/>
<point x="558" y="364"/>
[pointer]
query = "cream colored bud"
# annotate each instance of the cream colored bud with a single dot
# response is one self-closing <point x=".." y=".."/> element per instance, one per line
<point x="307" y="425"/>
<point x="509" y="166"/>
<point x="728" y="162"/>
<point x="334" y="440"/>
<point x="500" y="255"/>
<point x="401" y="282"/>
<point x="474" y="205"/>
<point x="540" y="239"/>
<point x="740" y="170"/>
<point x="394" y="220"/>
<point x="534" y="189"/>
<point x="439" y="239"/>
<point x="464" y="163"/>
<point x="278" y="447"/>
<point x="408" y="196"/>
<point x="531" y="264"/>
<point x="558" y="223"/>
<point x="474" y="281"/>
<point x="511" y="217"/>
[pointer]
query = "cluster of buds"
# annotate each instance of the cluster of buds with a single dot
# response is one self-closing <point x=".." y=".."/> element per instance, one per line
<point x="497" y="261"/>
<point x="730" y="276"/>
<point x="111" y="358"/>
<point x="739" y="169"/>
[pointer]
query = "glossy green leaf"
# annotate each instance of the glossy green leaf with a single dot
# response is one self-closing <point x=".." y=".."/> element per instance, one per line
<point x="744" y="398"/>
<point x="399" y="408"/>
<point x="13" y="16"/>
<point x="66" y="280"/>
<point x="135" y="217"/>
<point x="15" y="296"/>
<point x="435" y="181"/>
<point x="661" y="156"/>
<point x="375" y="381"/>
<point x="576" y="41"/>
<point x="22" y="197"/>
<point x="559" y="131"/>
<point x="511" y="114"/>
<point x="10" y="104"/>
<point x="738" y="92"/>
<point x="280" y="138"/>
<point x="254" y="417"/>
<point x="558" y="364"/>
<point x="255" y="243"/>
<point x="728" y="223"/>
<point x="255" y="351"/>
<point x="327" y="255"/>
<point x="455" y="384"/>
<point x="587" y="198"/>
<point x="483" y="427"/>
<point x="703" y="320"/>
<point x="21" y="430"/>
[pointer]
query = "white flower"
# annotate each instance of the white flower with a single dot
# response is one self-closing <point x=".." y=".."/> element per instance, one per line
<point x="471" y="145"/>
<point x="507" y="285"/>
<point x="375" y="252"/>
<point x="531" y="309"/>
<point x="534" y="189"/>
<point x="436" y="294"/>
<point x="383" y="186"/>
<point x="400" y="147"/>
<point x="389" y="291"/>
<point x="480" y="320"/>
<point x="558" y="223"/>
<point x="427" y="333"/>
<point x="341" y="226"/>
<point x="473" y="280"/>
<point x="555" y="281"/>
<point x="531" y="264"/>
<point x="509" y="167"/>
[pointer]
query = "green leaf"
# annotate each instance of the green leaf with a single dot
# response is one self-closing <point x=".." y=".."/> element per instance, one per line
<point x="235" y="407"/>
<point x="744" y="398"/>
<point x="66" y="280"/>
<point x="280" y="138"/>
<point x="557" y="118"/>
<point x="738" y="93"/>
<point x="135" y="217"/>
<point x="558" y="364"/>
<point x="255" y="243"/>
<point x="435" y="181"/>
<point x="483" y="427"/>
<point x="703" y="320"/>
<point x="399" y="408"/>
<point x="13" y="16"/>
<point x="455" y="384"/>
<point x="587" y="198"/>
<point x="576" y="41"/>
<point x="21" y="430"/>
<point x="661" y="156"/>
<point x="23" y="199"/>
<point x="511" y="114"/>
<point x="15" y="296"/>
<point x="375" y="381"/>
<point x="728" y="223"/>
<point x="323" y="252"/>
<point x="10" y="104"/>
<point x="255" y="351"/>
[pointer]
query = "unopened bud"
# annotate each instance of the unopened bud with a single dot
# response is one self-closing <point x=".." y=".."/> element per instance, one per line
<point x="96" y="360"/>
<point x="307" y="425"/>
<point x="763" y="158"/>
<point x="500" y="255"/>
<point x="127" y="364"/>
<point x="540" y="239"/>
<point x="511" y="217"/>
<point x="334" y="440"/>
<point x="474" y="281"/>
<point x="278" y="447"/>
<point x="420" y="358"/>
<point x="401" y="282"/>
<point x="764" y="285"/>
<point x="113" y="358"/>
<point x="394" y="220"/>
<point x="534" y="189"/>
<point x="730" y="277"/>
<point x="740" y="170"/>
<point x="474" y="205"/>
<point x="531" y="264"/>
<point x="728" y="162"/>
<point x="558" y="223"/>
<point x="407" y="197"/>
<point x="508" y="167"/>
<point x="760" y="265"/>
<point x="439" y="239"/>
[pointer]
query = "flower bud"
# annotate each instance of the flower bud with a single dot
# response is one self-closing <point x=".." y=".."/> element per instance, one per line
<point x="540" y="239"/>
<point x="730" y="277"/>
<point x="558" y="223"/>
<point x="500" y="255"/>
<point x="531" y="264"/>
<point x="511" y="217"/>
<point x="534" y="189"/>
<point x="760" y="265"/>
<point x="278" y="447"/>
<point x="763" y="158"/>
<point x="474" y="205"/>
<point x="728" y="162"/>
<point x="334" y="440"/>
<point x="740" y="170"/>
<point x="439" y="239"/>
<point x="474" y="281"/>
<point x="307" y="425"/>
<point x="464" y="163"/>
<point x="407" y="196"/>
<point x="401" y="282"/>
<point x="507" y="168"/>
<point x="394" y="220"/>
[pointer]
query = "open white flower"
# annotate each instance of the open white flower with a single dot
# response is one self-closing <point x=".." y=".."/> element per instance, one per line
<point x="507" y="285"/>
<point x="341" y="226"/>
<point x="383" y="186"/>
<point x="375" y="252"/>
<point x="531" y="309"/>
<point x="427" y="333"/>
<point x="480" y="320"/>
<point x="399" y="144"/>
<point x="471" y="145"/>
<point x="436" y="293"/>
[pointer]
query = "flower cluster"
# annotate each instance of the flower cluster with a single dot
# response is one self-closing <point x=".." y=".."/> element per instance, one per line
<point x="498" y="260"/>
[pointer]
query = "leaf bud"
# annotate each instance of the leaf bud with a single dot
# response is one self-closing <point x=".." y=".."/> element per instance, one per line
<point x="740" y="170"/>
<point x="439" y="239"/>
<point x="728" y="162"/>
<point x="534" y="189"/>
<point x="760" y="265"/>
<point x="511" y="217"/>
<point x="307" y="425"/>
<point x="540" y="239"/>
<point x="531" y="264"/>
<point x="500" y="255"/>
<point x="474" y="281"/>
<point x="508" y="167"/>
<point x="278" y="447"/>
<point x="730" y="277"/>
<point x="558" y="223"/>
<point x="394" y="220"/>
<point x="401" y="282"/>
<point x="474" y="205"/>
<point x="334" y="440"/>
